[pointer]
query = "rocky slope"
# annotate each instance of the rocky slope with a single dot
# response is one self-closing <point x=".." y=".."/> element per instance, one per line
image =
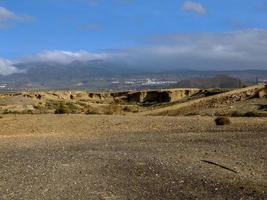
<point x="88" y="102"/>
<point x="225" y="101"/>
<point x="146" y="102"/>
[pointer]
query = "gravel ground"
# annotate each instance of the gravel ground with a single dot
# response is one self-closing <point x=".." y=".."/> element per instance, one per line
<point x="131" y="157"/>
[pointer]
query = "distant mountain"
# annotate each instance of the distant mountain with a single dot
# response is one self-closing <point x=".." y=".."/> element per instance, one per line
<point x="74" y="70"/>
<point x="107" y="74"/>
<point x="219" y="81"/>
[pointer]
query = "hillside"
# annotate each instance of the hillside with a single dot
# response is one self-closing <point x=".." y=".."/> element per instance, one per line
<point x="90" y="102"/>
<point x="247" y="99"/>
<point x="219" y="81"/>
<point x="145" y="102"/>
<point x="106" y="75"/>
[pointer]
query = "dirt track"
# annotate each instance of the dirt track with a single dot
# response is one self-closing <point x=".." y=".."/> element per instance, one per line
<point x="133" y="157"/>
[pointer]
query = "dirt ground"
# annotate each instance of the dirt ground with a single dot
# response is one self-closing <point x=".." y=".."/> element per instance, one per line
<point x="131" y="157"/>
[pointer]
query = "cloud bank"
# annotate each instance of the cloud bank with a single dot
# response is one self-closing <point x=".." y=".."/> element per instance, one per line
<point x="7" y="68"/>
<point x="197" y="8"/>
<point x="63" y="57"/>
<point x="215" y="51"/>
<point x="197" y="51"/>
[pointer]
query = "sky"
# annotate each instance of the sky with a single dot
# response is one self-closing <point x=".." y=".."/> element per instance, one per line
<point x="195" y="34"/>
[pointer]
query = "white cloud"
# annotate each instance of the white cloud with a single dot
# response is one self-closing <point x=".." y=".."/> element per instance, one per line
<point x="199" y="51"/>
<point x="219" y="51"/>
<point x="8" y="16"/>
<point x="190" y="6"/>
<point x="7" y="68"/>
<point x="64" y="57"/>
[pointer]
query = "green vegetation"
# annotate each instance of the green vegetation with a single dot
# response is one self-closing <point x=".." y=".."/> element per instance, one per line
<point x="51" y="105"/>
<point x="61" y="109"/>
<point x="66" y="108"/>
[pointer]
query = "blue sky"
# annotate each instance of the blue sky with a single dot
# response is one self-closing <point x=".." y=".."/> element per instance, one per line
<point x="28" y="27"/>
<point x="78" y="24"/>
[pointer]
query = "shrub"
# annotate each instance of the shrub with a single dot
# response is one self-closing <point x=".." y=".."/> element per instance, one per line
<point x="222" y="121"/>
<point x="50" y="104"/>
<point x="236" y="114"/>
<point x="62" y="109"/>
<point x="192" y="114"/>
<point x="249" y="114"/>
<point x="112" y="109"/>
<point x="29" y="112"/>
<point x="132" y="109"/>
<point x="91" y="110"/>
<point x="72" y="107"/>
<point x="263" y="107"/>
<point x="215" y="91"/>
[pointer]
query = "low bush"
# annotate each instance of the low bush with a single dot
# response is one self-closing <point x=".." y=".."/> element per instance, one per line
<point x="249" y="114"/>
<point x="131" y="109"/>
<point x="51" y="104"/>
<point x="236" y="114"/>
<point x="112" y="109"/>
<point x="221" y="121"/>
<point x="90" y="110"/>
<point x="215" y="91"/>
<point x="72" y="107"/>
<point x="62" y="109"/>
<point x="263" y="107"/>
<point x="66" y="108"/>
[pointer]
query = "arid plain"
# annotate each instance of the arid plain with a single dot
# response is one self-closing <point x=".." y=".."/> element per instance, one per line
<point x="134" y="155"/>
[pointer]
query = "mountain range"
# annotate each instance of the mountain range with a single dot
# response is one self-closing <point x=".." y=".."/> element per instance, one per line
<point x="101" y="74"/>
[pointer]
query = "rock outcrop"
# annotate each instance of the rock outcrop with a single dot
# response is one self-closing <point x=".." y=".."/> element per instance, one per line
<point x="158" y="96"/>
<point x="215" y="101"/>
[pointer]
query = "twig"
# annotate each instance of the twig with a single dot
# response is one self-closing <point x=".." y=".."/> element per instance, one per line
<point x="224" y="167"/>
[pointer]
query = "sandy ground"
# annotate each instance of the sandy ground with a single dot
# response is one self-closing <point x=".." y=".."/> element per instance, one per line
<point x="131" y="157"/>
